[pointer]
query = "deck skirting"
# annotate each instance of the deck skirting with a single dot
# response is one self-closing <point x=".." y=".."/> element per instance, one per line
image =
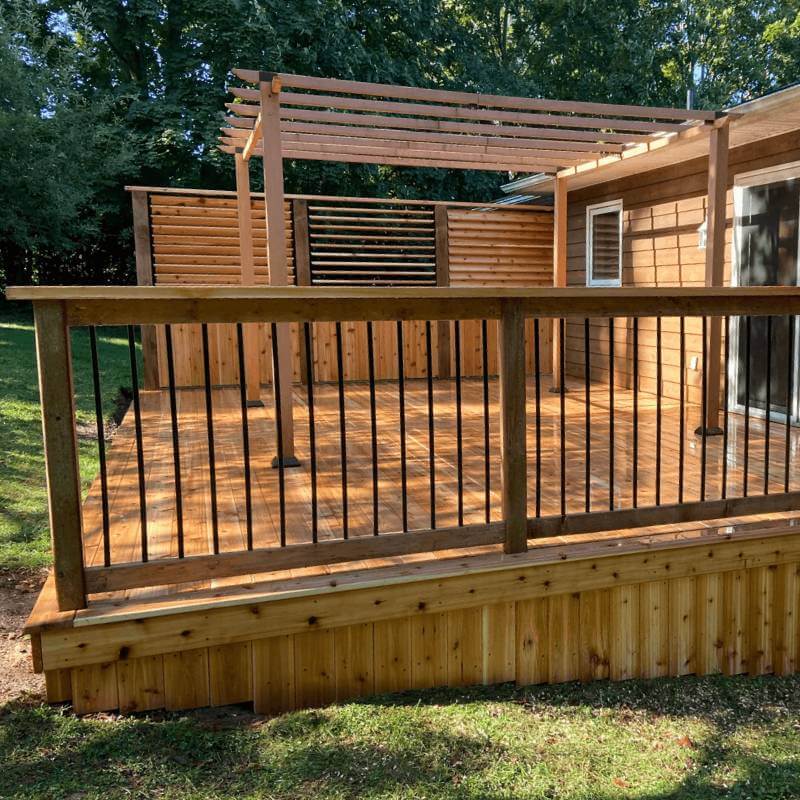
<point x="720" y="604"/>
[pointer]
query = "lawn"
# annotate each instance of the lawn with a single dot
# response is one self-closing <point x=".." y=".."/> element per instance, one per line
<point x="688" y="738"/>
<point x="24" y="530"/>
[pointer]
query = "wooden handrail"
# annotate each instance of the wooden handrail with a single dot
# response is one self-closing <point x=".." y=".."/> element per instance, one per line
<point x="101" y="305"/>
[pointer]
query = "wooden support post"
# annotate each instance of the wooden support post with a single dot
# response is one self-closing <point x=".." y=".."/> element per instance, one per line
<point x="143" y="246"/>
<point x="248" y="277"/>
<point x="302" y="266"/>
<point x="276" y="248"/>
<point x="559" y="269"/>
<point x="513" y="426"/>
<point x="61" y="452"/>
<point x="442" y="279"/>
<point x="715" y="265"/>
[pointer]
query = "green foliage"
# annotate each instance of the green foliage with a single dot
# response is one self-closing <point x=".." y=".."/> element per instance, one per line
<point x="682" y="739"/>
<point x="97" y="95"/>
<point x="24" y="528"/>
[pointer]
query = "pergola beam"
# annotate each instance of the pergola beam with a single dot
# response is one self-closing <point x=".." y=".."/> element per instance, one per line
<point x="474" y="98"/>
<point x="252" y="140"/>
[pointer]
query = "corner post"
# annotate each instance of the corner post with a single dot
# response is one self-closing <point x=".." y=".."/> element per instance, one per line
<point x="513" y="426"/>
<point x="57" y="396"/>
<point x="143" y="247"/>
<point x="442" y="279"/>
<point x="270" y="87"/>
<point x="247" y="276"/>
<point x="715" y="264"/>
<point x="559" y="269"/>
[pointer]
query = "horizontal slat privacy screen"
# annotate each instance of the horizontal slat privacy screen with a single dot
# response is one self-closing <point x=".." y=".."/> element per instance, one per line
<point x="195" y="239"/>
<point x="352" y="241"/>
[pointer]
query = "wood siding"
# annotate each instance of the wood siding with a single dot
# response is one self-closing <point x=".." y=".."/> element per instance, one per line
<point x="662" y="213"/>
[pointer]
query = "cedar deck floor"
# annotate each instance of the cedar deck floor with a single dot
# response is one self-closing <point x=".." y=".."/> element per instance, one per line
<point x="125" y="528"/>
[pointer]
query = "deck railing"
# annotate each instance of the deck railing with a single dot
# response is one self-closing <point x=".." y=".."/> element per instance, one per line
<point x="585" y="467"/>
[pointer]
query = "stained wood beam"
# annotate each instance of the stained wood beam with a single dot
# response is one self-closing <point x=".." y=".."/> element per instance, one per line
<point x="252" y="140"/>
<point x="272" y="158"/>
<point x="715" y="264"/>
<point x="247" y="276"/>
<point x="143" y="247"/>
<point x="559" y="270"/>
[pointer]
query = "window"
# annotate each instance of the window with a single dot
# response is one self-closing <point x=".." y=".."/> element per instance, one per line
<point x="604" y="244"/>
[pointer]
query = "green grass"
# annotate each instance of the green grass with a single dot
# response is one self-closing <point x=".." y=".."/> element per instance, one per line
<point x="24" y="530"/>
<point x="688" y="738"/>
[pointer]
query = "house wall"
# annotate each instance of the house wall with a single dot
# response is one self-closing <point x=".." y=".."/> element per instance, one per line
<point x="662" y="211"/>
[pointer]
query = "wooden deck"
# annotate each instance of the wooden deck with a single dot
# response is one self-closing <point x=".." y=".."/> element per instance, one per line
<point x="125" y="528"/>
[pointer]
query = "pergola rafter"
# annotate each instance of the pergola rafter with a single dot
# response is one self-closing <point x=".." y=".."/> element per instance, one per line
<point x="338" y="120"/>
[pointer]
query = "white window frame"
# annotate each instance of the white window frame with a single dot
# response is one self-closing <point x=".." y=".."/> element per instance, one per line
<point x="591" y="212"/>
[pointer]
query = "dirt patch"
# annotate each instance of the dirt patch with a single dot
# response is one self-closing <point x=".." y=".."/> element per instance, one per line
<point x="88" y="430"/>
<point x="18" y="592"/>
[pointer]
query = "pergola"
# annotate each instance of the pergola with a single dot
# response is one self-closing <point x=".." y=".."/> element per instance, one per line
<point x="325" y="119"/>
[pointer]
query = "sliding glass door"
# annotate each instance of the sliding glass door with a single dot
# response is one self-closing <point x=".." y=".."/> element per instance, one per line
<point x="766" y="211"/>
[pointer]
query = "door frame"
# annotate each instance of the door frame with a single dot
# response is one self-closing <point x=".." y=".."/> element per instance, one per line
<point x="741" y="181"/>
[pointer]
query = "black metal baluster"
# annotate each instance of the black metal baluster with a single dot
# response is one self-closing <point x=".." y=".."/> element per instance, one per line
<point x="768" y="409"/>
<point x="724" y="492"/>
<point x="659" y="391"/>
<point x="562" y="414"/>
<point x="401" y="391"/>
<point x="587" y="379"/>
<point x="537" y="382"/>
<point x="101" y="446"/>
<point x="373" y="418"/>
<point x="703" y="412"/>
<point x="137" y="421"/>
<point x="460" y="425"/>
<point x="635" y="473"/>
<point x="487" y="499"/>
<point x="611" y="413"/>
<point x="682" y="411"/>
<point x="431" y="429"/>
<point x="342" y="430"/>
<point x="746" y="459"/>
<point x="789" y="382"/>
<point x="212" y="459"/>
<point x="176" y="450"/>
<point x="312" y="428"/>
<point x="276" y="377"/>
<point x="248" y="490"/>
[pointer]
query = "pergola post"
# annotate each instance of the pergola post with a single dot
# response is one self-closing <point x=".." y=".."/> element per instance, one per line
<point x="248" y="277"/>
<point x="559" y="269"/>
<point x="715" y="265"/>
<point x="442" y="279"/>
<point x="276" y="252"/>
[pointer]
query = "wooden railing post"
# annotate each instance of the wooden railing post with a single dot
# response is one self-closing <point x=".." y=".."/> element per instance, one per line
<point x="559" y="270"/>
<point x="715" y="265"/>
<point x="442" y="279"/>
<point x="302" y="266"/>
<point x="513" y="426"/>
<point x="143" y="248"/>
<point x="61" y="452"/>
